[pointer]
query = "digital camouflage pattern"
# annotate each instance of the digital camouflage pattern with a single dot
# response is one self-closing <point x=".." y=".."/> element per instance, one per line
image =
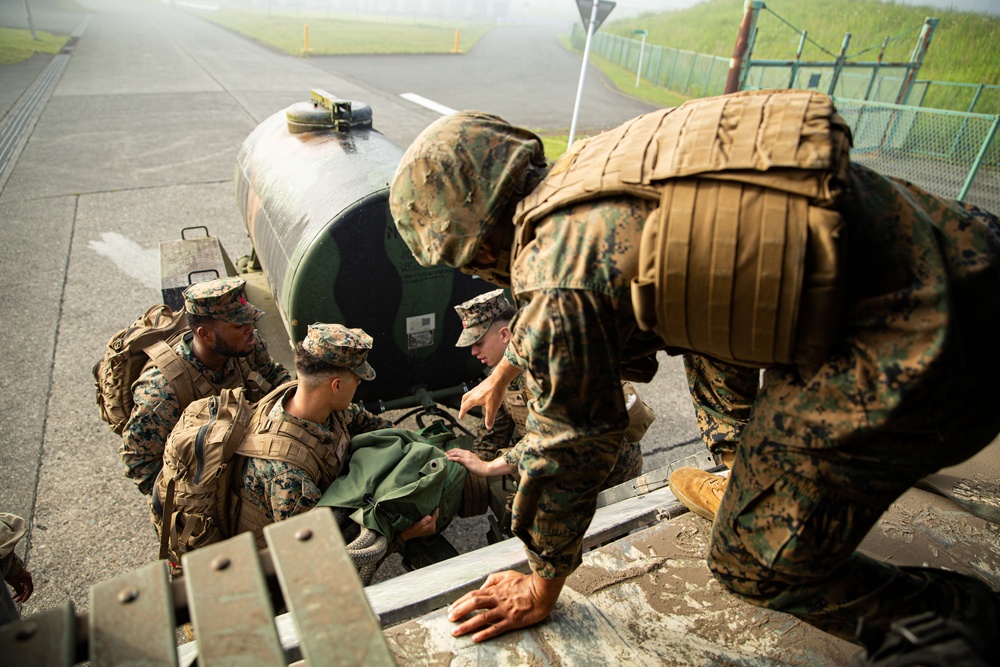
<point x="339" y="346"/>
<point x="457" y="177"/>
<point x="477" y="315"/>
<point x="222" y="299"/>
<point x="157" y="409"/>
<point x="899" y="397"/>
<point x="820" y="458"/>
<point x="723" y="397"/>
<point x="282" y="490"/>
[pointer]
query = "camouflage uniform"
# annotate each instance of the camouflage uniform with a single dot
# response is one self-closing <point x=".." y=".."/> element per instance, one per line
<point x="157" y="408"/>
<point x="509" y="425"/>
<point x="820" y="458"/>
<point x="477" y="316"/>
<point x="279" y="490"/>
<point x="723" y="396"/>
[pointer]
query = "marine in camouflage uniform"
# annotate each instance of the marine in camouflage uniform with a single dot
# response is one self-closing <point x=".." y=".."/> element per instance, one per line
<point x="899" y="395"/>
<point x="157" y="408"/>
<point x="479" y="315"/>
<point x="275" y="490"/>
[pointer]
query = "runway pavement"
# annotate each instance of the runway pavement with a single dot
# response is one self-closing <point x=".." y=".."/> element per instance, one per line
<point x="137" y="140"/>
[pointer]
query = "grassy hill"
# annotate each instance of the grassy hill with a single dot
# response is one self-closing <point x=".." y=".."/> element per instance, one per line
<point x="964" y="47"/>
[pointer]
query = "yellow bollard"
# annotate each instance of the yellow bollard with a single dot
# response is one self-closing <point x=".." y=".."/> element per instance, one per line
<point x="455" y="50"/>
<point x="306" y="48"/>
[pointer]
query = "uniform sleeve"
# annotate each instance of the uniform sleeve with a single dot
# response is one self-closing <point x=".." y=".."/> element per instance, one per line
<point x="291" y="491"/>
<point x="12" y="529"/>
<point x="361" y="421"/>
<point x="571" y="343"/>
<point x="489" y="441"/>
<point x="154" y="415"/>
<point x="261" y="361"/>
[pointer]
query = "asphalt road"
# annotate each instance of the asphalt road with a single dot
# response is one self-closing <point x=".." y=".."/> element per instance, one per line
<point x="520" y="73"/>
<point x="138" y="140"/>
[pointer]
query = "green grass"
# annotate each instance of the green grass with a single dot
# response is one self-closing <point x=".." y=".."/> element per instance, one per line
<point x="964" y="46"/>
<point x="346" y="35"/>
<point x="17" y="45"/>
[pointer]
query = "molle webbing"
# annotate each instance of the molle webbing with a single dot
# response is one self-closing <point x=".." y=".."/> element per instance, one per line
<point x="516" y="403"/>
<point x="190" y="384"/>
<point x="741" y="261"/>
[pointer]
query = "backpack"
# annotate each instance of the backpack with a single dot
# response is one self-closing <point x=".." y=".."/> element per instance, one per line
<point x="195" y="500"/>
<point x="394" y="478"/>
<point x="151" y="337"/>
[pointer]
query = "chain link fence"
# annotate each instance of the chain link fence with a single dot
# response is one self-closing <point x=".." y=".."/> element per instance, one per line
<point x="952" y="154"/>
<point x="950" y="149"/>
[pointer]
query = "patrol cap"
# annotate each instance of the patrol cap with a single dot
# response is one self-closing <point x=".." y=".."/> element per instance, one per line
<point x="478" y="314"/>
<point x="339" y="346"/>
<point x="455" y="180"/>
<point x="223" y="299"/>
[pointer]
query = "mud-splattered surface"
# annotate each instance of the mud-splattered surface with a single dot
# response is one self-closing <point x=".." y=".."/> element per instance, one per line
<point x="649" y="599"/>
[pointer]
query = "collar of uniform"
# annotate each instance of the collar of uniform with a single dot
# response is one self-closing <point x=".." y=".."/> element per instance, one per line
<point x="322" y="432"/>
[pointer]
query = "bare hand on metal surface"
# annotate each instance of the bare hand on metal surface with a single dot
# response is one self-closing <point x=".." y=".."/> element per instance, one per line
<point x="490" y="392"/>
<point x="507" y="601"/>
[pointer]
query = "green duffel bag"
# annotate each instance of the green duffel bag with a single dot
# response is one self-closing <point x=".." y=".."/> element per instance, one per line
<point x="396" y="477"/>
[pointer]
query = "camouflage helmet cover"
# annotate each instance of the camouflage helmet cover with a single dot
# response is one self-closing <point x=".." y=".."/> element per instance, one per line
<point x="339" y="346"/>
<point x="222" y="299"/>
<point x="453" y="181"/>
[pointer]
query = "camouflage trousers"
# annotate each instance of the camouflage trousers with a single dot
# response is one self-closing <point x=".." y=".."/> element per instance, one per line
<point x="723" y="396"/>
<point x="628" y="466"/>
<point x="905" y="392"/>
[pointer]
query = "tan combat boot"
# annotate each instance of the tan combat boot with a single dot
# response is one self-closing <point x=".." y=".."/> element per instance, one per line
<point x="700" y="491"/>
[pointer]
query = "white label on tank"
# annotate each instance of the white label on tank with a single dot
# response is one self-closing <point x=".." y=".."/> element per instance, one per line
<point x="420" y="331"/>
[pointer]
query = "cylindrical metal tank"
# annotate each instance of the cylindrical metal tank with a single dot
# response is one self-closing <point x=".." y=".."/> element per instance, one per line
<point x="312" y="183"/>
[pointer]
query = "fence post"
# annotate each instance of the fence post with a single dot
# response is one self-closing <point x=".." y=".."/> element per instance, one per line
<point x="979" y="159"/>
<point x="917" y="58"/>
<point x="798" y="57"/>
<point x="839" y="65"/>
<point x="878" y="63"/>
<point x="965" y="121"/>
<point x="738" y="64"/>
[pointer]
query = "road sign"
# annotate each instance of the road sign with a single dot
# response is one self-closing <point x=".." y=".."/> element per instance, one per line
<point x="604" y="8"/>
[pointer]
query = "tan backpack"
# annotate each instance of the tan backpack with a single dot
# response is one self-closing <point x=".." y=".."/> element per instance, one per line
<point x="151" y="337"/>
<point x="195" y="497"/>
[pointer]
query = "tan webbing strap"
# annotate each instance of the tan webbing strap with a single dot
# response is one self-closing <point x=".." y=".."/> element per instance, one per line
<point x="792" y="116"/>
<point x="594" y="171"/>
<point x="281" y="448"/>
<point x="702" y="265"/>
<point x="251" y="518"/>
<point x="745" y="142"/>
<point x="770" y="256"/>
<point x="673" y="269"/>
<point x="722" y="269"/>
<point x="175" y="370"/>
<point x="167" y="518"/>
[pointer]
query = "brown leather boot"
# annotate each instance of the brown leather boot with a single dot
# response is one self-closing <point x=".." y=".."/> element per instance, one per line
<point x="700" y="491"/>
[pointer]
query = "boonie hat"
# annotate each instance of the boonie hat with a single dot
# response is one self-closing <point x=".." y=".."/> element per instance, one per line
<point x="223" y="298"/>
<point x="339" y="346"/>
<point x="478" y="314"/>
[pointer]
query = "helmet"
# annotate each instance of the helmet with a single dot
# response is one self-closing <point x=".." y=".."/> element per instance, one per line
<point x="457" y="180"/>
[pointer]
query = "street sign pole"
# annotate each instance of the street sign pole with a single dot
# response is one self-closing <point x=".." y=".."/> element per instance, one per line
<point x="598" y="10"/>
<point x="642" y="47"/>
<point x="583" y="71"/>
